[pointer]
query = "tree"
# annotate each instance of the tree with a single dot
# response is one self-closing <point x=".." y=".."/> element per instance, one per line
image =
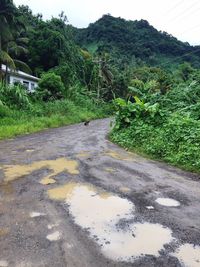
<point x="105" y="76"/>
<point x="11" y="43"/>
<point x="7" y="22"/>
<point x="185" y="70"/>
<point x="50" y="87"/>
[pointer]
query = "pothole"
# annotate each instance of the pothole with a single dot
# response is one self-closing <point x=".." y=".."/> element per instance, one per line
<point x="54" y="236"/>
<point x="168" y="202"/>
<point x="150" y="207"/>
<point x="117" y="155"/>
<point x="124" y="189"/>
<point x="83" y="155"/>
<point x="188" y="255"/>
<point x="104" y="215"/>
<point x="36" y="214"/>
<point x="139" y="240"/>
<point x="30" y="150"/>
<point x="111" y="170"/>
<point x="3" y="263"/>
<point x="13" y="172"/>
<point x="3" y="232"/>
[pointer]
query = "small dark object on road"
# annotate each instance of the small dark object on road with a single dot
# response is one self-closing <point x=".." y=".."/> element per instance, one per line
<point x="86" y="123"/>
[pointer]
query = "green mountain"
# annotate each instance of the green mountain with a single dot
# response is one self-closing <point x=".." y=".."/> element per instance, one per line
<point x="135" y="42"/>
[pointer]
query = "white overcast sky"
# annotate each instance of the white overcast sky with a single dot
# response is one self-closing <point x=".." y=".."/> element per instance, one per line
<point x="180" y="18"/>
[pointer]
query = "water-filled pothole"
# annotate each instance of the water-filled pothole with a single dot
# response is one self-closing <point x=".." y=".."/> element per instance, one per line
<point x="168" y="202"/>
<point x="101" y="213"/>
<point x="13" y="172"/>
<point x="188" y="255"/>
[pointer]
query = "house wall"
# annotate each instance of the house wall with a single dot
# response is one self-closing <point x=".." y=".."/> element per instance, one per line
<point x="28" y="83"/>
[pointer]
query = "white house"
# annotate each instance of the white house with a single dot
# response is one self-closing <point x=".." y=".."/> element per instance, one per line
<point x="15" y="76"/>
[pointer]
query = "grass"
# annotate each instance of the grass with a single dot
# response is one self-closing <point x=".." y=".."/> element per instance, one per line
<point x="50" y="115"/>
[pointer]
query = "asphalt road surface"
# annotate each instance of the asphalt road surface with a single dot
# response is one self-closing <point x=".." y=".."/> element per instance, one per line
<point x="69" y="197"/>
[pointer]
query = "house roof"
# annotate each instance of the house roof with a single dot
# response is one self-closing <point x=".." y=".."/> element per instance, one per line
<point x="20" y="74"/>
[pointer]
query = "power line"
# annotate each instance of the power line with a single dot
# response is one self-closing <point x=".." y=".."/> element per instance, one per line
<point x="190" y="29"/>
<point x="175" y="6"/>
<point x="192" y="12"/>
<point x="180" y="15"/>
<point x="165" y="63"/>
<point x="185" y="11"/>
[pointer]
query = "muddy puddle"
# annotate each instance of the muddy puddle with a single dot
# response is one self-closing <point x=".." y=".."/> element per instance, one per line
<point x="54" y="236"/>
<point x="168" y="202"/>
<point x="35" y="214"/>
<point x="3" y="231"/>
<point x="3" y="263"/>
<point x="125" y="189"/>
<point x="6" y="188"/>
<point x="29" y="150"/>
<point x="13" y="172"/>
<point x="119" y="156"/>
<point x="111" y="170"/>
<point x="109" y="219"/>
<point x="188" y="255"/>
<point x="83" y="155"/>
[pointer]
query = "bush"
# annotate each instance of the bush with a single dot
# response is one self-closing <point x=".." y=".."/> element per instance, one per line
<point x="4" y="110"/>
<point x="50" y="87"/>
<point x="128" y="111"/>
<point x="176" y="141"/>
<point x="167" y="127"/>
<point x="14" y="96"/>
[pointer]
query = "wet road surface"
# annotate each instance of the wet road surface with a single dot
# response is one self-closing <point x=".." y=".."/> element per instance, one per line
<point x="69" y="197"/>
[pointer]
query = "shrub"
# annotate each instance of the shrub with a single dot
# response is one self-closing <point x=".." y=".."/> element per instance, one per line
<point x="50" y="87"/>
<point x="4" y="110"/>
<point x="15" y="96"/>
<point x="128" y="111"/>
<point x="166" y="127"/>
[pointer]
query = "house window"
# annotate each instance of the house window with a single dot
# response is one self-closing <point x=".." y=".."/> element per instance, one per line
<point x="32" y="86"/>
<point x="26" y="84"/>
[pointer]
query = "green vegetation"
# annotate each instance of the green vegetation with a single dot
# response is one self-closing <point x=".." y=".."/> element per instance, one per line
<point x="70" y="89"/>
<point x="24" y="113"/>
<point x="163" y="124"/>
<point x="51" y="87"/>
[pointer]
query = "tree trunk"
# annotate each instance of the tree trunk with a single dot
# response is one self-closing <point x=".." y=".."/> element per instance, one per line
<point x="1" y="73"/>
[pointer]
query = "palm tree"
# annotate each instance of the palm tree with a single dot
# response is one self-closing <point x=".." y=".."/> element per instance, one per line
<point x="7" y="18"/>
<point x="105" y="75"/>
<point x="12" y="43"/>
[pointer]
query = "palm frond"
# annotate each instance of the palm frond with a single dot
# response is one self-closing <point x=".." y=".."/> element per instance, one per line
<point x="22" y="40"/>
<point x="17" y="49"/>
<point x="5" y="58"/>
<point x="22" y="66"/>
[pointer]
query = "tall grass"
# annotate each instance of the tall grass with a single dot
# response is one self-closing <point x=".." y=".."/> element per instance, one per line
<point x="19" y="114"/>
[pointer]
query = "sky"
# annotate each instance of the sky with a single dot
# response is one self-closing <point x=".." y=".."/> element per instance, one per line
<point x="177" y="17"/>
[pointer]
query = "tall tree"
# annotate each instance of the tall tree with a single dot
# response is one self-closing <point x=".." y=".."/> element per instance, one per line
<point x="7" y="22"/>
<point x="11" y="41"/>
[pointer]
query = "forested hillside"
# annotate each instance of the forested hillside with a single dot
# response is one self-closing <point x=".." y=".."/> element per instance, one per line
<point x="134" y="42"/>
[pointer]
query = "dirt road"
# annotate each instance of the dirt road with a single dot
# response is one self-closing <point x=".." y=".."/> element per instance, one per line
<point x="69" y="197"/>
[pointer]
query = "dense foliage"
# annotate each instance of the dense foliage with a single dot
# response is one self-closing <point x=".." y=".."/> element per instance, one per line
<point x="166" y="126"/>
<point x="22" y="113"/>
<point x="50" y="87"/>
<point x="71" y="88"/>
